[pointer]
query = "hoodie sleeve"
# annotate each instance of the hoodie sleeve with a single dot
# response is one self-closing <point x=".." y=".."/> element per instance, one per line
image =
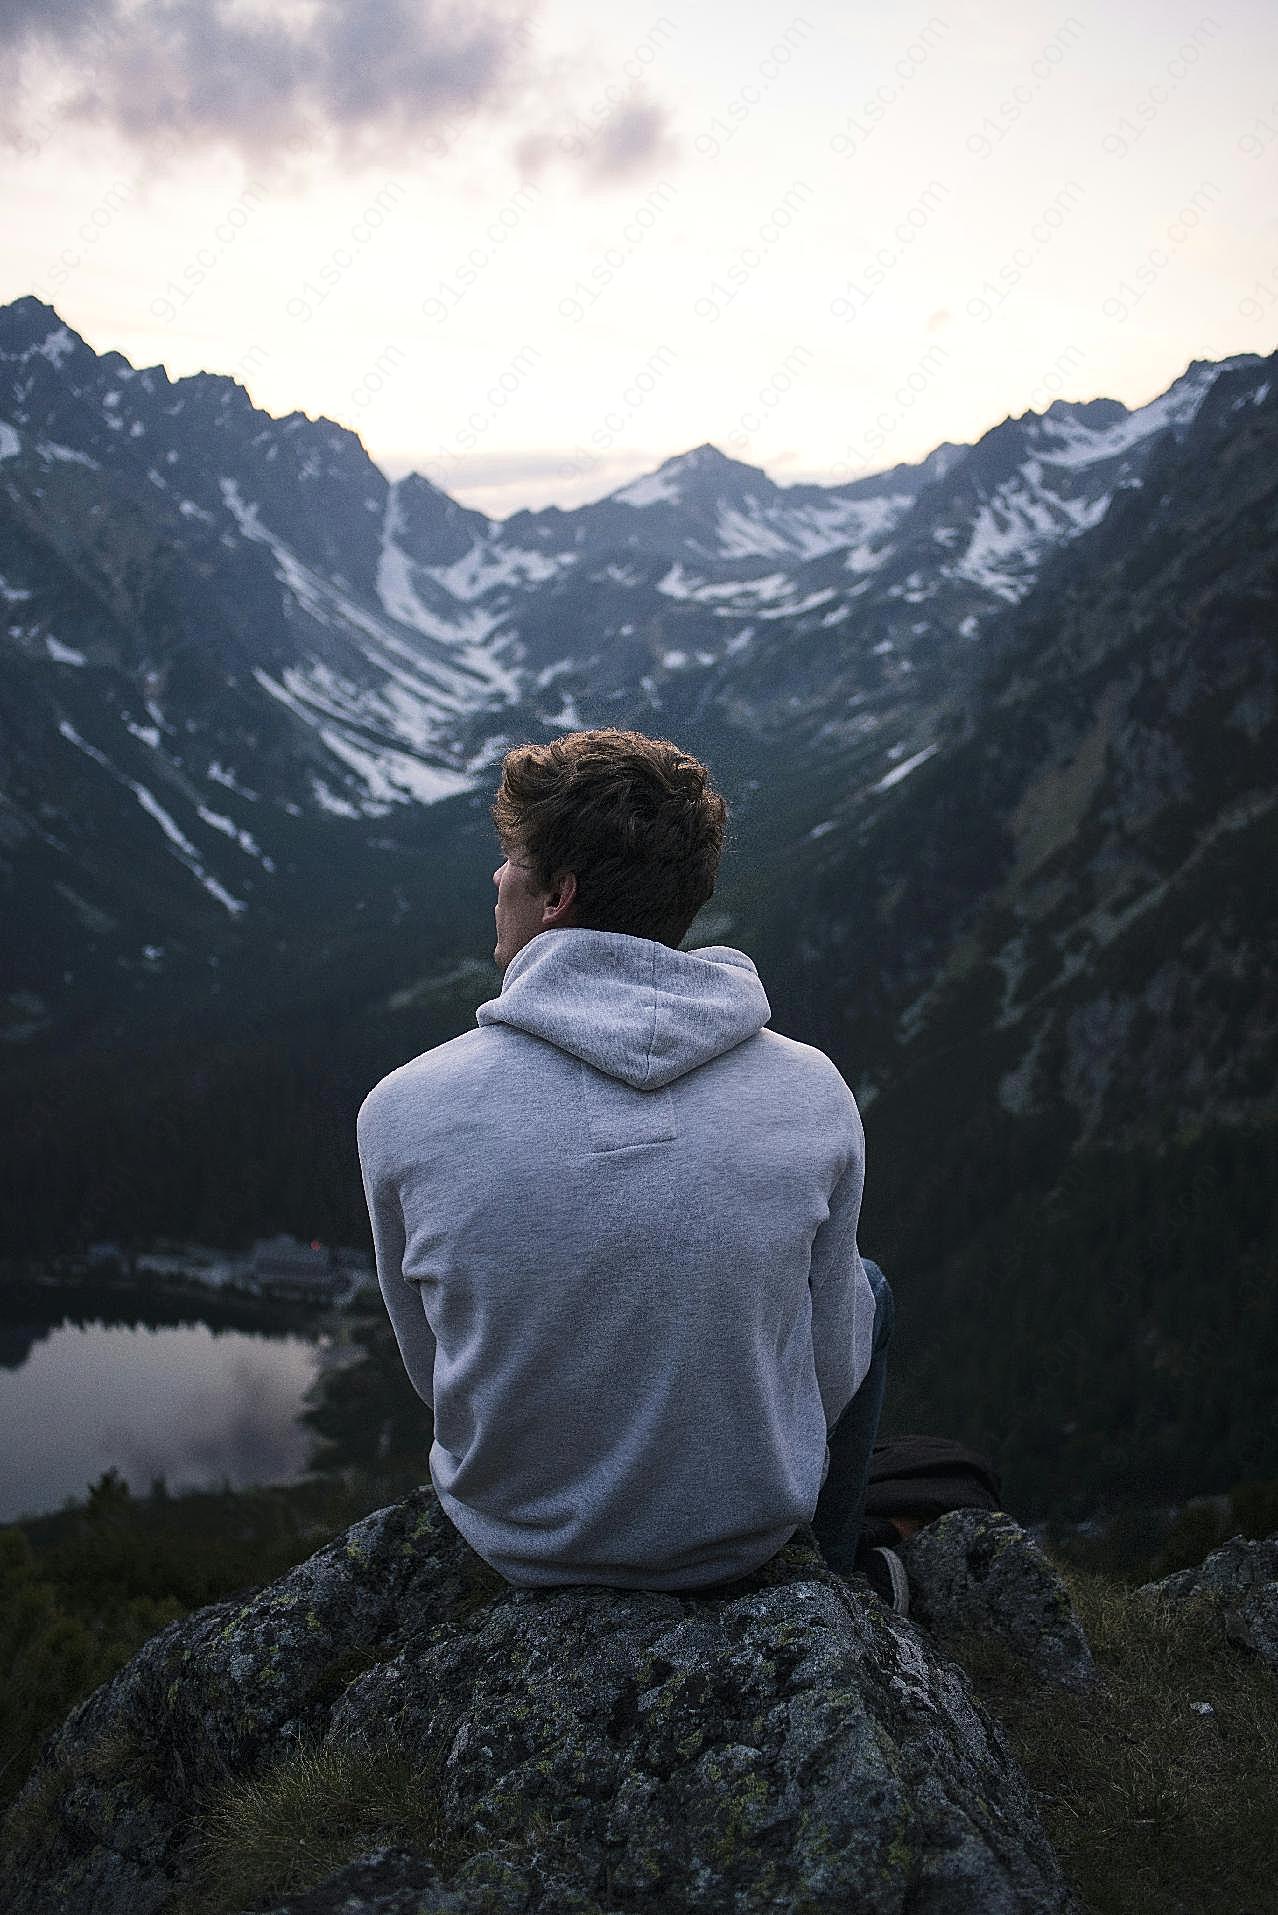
<point x="842" y="1298"/>
<point x="403" y="1299"/>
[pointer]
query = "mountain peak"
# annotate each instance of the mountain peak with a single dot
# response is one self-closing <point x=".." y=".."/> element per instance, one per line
<point x="698" y="477"/>
<point x="27" y="326"/>
<point x="707" y="464"/>
<point x="700" y="457"/>
<point x="27" y="307"/>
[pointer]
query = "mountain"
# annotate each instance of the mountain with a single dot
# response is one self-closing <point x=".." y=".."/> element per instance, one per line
<point x="997" y="733"/>
<point x="232" y="643"/>
<point x="1047" y="958"/>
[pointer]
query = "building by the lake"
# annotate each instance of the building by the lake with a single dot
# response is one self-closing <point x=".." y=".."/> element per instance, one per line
<point x="303" y="1272"/>
<point x="280" y="1266"/>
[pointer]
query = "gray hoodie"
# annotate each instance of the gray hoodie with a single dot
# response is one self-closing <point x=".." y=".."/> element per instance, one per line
<point x="615" y="1229"/>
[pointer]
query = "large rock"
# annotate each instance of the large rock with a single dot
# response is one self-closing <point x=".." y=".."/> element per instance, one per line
<point x="976" y="1571"/>
<point x="785" y="1743"/>
<point x="395" y="1882"/>
<point x="1240" y="1580"/>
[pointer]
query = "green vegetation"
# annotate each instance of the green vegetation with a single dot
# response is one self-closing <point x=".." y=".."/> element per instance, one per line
<point x="1160" y="1789"/>
<point x="365" y="1414"/>
<point x="81" y="1591"/>
<point x="1108" y="1334"/>
<point x="50" y="1655"/>
<point x="1143" y="1545"/>
<point x="321" y="1806"/>
<point x="284" y="1832"/>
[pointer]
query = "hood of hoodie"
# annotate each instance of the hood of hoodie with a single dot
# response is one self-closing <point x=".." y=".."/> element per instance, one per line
<point x="631" y="1007"/>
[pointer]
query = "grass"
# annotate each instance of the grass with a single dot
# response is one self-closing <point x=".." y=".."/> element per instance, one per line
<point x="321" y="1806"/>
<point x="286" y="1831"/>
<point x="1154" y="1806"/>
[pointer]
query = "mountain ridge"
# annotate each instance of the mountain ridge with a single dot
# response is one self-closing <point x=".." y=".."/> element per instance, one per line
<point x="30" y="313"/>
<point x="234" y="644"/>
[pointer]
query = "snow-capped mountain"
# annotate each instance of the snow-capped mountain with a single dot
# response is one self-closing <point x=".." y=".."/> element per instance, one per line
<point x="237" y="656"/>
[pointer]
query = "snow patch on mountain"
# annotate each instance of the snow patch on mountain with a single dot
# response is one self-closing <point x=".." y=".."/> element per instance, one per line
<point x="63" y="654"/>
<point x="795" y="608"/>
<point x="221" y="776"/>
<point x="245" y="515"/>
<point x="903" y="770"/>
<point x="394" y="578"/>
<point x="391" y="776"/>
<point x="51" y="449"/>
<point x="394" y="778"/>
<point x="806" y="531"/>
<point x="1013" y="529"/>
<point x="489" y="564"/>
<point x="56" y="346"/>
<point x="677" y="584"/>
<point x="568" y="718"/>
<point x="738" y="594"/>
<point x="229" y="828"/>
<point x="866" y="557"/>
<point x="1072" y="442"/>
<point x="70" y="733"/>
<point x="655" y="488"/>
<point x="187" y="853"/>
<point x="329" y="801"/>
<point x="419" y="696"/>
<point x="397" y="593"/>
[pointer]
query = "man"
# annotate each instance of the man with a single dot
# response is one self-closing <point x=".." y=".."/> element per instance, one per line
<point x="615" y="1224"/>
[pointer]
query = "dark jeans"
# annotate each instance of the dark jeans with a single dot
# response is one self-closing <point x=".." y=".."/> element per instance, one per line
<point x="840" y="1509"/>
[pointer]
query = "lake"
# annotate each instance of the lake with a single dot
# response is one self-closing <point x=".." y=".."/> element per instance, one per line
<point x="197" y="1404"/>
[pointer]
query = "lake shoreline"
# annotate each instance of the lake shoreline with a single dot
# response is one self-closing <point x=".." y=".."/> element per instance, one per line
<point x="79" y="1292"/>
<point x="157" y="1378"/>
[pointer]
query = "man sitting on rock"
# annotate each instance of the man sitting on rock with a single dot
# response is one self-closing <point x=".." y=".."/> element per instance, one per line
<point x="615" y="1224"/>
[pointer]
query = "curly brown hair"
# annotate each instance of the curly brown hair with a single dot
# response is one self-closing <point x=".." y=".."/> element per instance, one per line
<point x="636" y="819"/>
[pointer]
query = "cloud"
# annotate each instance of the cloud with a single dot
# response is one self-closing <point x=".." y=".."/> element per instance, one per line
<point x="634" y="139"/>
<point x="374" y="76"/>
<point x="618" y="141"/>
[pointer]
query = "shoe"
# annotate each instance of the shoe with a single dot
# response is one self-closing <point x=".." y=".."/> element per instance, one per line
<point x="885" y="1573"/>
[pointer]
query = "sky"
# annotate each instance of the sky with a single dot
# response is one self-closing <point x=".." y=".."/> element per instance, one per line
<point x="532" y="251"/>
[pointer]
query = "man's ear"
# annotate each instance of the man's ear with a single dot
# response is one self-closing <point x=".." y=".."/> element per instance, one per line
<point x="560" y="898"/>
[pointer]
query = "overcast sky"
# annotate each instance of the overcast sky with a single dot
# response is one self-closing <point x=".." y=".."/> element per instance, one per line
<point x="534" y="253"/>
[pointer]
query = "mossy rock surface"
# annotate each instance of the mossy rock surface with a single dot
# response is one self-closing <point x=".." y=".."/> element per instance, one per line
<point x="975" y="1570"/>
<point x="781" y="1743"/>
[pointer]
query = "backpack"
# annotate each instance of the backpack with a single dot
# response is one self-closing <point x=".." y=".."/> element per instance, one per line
<point x="924" y="1476"/>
